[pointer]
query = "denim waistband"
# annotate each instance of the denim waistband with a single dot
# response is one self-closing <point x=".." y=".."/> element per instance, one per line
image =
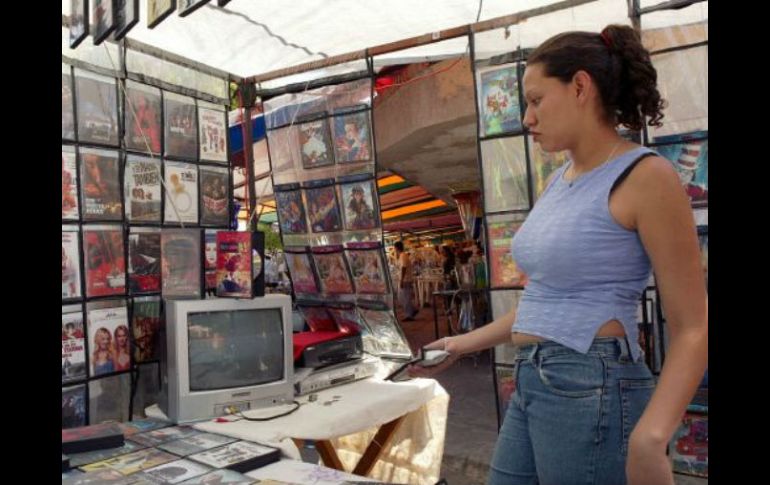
<point x="612" y="347"/>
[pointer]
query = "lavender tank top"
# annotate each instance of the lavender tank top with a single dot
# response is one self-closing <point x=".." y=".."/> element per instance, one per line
<point x="584" y="268"/>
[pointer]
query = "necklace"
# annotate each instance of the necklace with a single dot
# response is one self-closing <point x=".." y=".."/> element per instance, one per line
<point x="609" y="157"/>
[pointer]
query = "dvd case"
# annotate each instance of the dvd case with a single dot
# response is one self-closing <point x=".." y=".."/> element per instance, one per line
<point x="73" y="406"/>
<point x="241" y="456"/>
<point x="212" y="132"/>
<point x="240" y="257"/>
<point x="73" y="352"/>
<point x="88" y="457"/>
<point x="164" y="435"/>
<point x="352" y="135"/>
<point x="108" y="339"/>
<point x="290" y="208"/>
<point x="688" y="154"/>
<point x="196" y="443"/>
<point x="105" y="264"/>
<point x="177" y="471"/>
<point x="147" y="328"/>
<point x="368" y="267"/>
<point x="504" y="166"/>
<point x="70" y="208"/>
<point x="224" y="476"/>
<point x="67" y="104"/>
<point x="100" y="185"/>
<point x="504" y="272"/>
<point x="332" y="270"/>
<point x="316" y="316"/>
<point x="180" y="125"/>
<point x="322" y="208"/>
<point x="142" y="118"/>
<point x="360" y="207"/>
<point x="70" y="263"/>
<point x="89" y="438"/>
<point x="142" y="189"/>
<point x="132" y="462"/>
<point x="181" y="263"/>
<point x="303" y="278"/>
<point x="315" y="142"/>
<point x="210" y="262"/>
<point x="131" y="428"/>
<point x="143" y="260"/>
<point x="97" y="108"/>
<point x="215" y="196"/>
<point x="181" y="192"/>
<point x="498" y="99"/>
<point x="386" y="330"/>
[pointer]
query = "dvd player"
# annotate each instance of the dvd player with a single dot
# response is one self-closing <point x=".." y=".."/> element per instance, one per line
<point x="334" y="375"/>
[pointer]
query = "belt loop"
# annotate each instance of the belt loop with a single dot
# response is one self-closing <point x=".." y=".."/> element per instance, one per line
<point x="625" y="349"/>
<point x="533" y="352"/>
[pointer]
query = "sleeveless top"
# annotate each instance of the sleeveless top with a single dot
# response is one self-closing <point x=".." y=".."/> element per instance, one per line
<point x="584" y="268"/>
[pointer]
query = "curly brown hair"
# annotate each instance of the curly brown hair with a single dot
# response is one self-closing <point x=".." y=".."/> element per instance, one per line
<point x="619" y="65"/>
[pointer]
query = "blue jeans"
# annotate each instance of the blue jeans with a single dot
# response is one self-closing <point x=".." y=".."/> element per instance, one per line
<point x="571" y="415"/>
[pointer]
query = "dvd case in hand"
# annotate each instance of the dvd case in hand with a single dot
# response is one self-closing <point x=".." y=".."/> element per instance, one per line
<point x="240" y="268"/>
<point x="89" y="438"/>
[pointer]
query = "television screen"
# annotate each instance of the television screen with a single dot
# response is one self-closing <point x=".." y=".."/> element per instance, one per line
<point x="235" y="348"/>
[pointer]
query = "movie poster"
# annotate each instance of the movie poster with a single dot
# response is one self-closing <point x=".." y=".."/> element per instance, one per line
<point x="322" y="209"/>
<point x="147" y="328"/>
<point x="214" y="196"/>
<point x="504" y="272"/>
<point x="210" y="263"/>
<point x="69" y="184"/>
<point x="318" y="319"/>
<point x="67" y="106"/>
<point x="359" y="207"/>
<point x="386" y="331"/>
<point x="100" y="185"/>
<point x="181" y="263"/>
<point x="182" y="192"/>
<point x="180" y="124"/>
<point x="332" y="272"/>
<point x="291" y="211"/>
<point x="212" y="134"/>
<point x="104" y="261"/>
<point x="542" y="165"/>
<point x="504" y="166"/>
<point x="315" y="144"/>
<point x="70" y="263"/>
<point x="108" y="340"/>
<point x="301" y="272"/>
<point x="499" y="108"/>
<point x="73" y="351"/>
<point x="689" y="155"/>
<point x="368" y="269"/>
<point x="142" y="115"/>
<point x="73" y="407"/>
<point x="143" y="189"/>
<point x="143" y="260"/>
<point x="234" y="264"/>
<point x="352" y="137"/>
<point x="97" y="108"/>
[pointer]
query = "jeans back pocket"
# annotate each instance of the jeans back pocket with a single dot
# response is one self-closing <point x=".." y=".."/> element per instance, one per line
<point x="634" y="396"/>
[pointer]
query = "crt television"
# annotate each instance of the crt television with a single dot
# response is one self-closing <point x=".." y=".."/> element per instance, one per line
<point x="225" y="353"/>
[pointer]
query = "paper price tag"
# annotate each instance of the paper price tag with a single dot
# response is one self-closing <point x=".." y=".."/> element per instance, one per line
<point x="435" y="35"/>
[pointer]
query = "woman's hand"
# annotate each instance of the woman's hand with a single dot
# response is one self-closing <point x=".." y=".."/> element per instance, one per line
<point x="647" y="463"/>
<point x="447" y="343"/>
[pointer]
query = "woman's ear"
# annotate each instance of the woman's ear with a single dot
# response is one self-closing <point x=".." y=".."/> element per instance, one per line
<point x="583" y="85"/>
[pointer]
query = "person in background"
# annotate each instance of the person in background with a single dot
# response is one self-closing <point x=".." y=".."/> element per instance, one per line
<point x="405" y="281"/>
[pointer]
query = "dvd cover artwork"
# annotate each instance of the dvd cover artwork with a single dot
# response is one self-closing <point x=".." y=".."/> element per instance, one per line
<point x="301" y="272"/>
<point x="144" y="262"/>
<point x="147" y="328"/>
<point x="241" y="456"/>
<point x="212" y="133"/>
<point x="105" y="263"/>
<point x="181" y="192"/>
<point x="67" y="107"/>
<point x="315" y="144"/>
<point x="108" y="340"/>
<point x="322" y="209"/>
<point x="97" y="108"/>
<point x="164" y="435"/>
<point x="177" y="471"/>
<point x="358" y="201"/>
<point x="196" y="444"/>
<point x="223" y="476"/>
<point x="100" y="185"/>
<point x="214" y="196"/>
<point x="210" y="263"/>
<point x="131" y="428"/>
<point x="99" y="477"/>
<point x="542" y="165"/>
<point x="73" y="353"/>
<point x="387" y="332"/>
<point x="142" y="189"/>
<point x="499" y="108"/>
<point x="73" y="407"/>
<point x="333" y="273"/>
<point x="88" y="457"/>
<point x="291" y="212"/>
<point x="69" y="185"/>
<point x="504" y="166"/>
<point x="132" y="462"/>
<point x="318" y="319"/>
<point x="368" y="271"/>
<point x="180" y="126"/>
<point x="70" y="265"/>
<point x="103" y="15"/>
<point x="181" y="263"/>
<point x="504" y="272"/>
<point x="690" y="159"/>
<point x="234" y="264"/>
<point x="142" y="118"/>
<point x="352" y="138"/>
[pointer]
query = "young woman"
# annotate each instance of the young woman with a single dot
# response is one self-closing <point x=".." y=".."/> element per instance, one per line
<point x="103" y="358"/>
<point x="122" y="353"/>
<point x="585" y="407"/>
